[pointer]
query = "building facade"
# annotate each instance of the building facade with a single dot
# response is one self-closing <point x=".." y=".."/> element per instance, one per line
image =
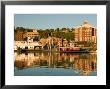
<point x="21" y="34"/>
<point x="18" y="35"/>
<point x="85" y="33"/>
<point x="30" y="33"/>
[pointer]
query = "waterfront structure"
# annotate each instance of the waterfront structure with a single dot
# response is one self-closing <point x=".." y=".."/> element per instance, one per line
<point x="29" y="44"/>
<point x="85" y="33"/>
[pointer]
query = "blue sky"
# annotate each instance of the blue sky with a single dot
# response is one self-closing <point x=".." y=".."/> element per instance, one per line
<point x="45" y="21"/>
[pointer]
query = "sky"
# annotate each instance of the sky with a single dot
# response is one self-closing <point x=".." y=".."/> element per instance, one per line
<point x="53" y="21"/>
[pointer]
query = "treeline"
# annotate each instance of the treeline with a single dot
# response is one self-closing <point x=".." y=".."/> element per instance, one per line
<point x="22" y="29"/>
<point x="64" y="33"/>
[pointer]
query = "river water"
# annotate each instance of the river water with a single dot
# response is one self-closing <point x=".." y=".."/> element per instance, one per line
<point x="55" y="64"/>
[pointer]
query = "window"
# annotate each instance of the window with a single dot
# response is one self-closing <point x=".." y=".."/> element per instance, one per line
<point x="92" y="31"/>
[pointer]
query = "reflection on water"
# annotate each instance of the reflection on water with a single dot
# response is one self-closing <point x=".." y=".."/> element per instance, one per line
<point x="55" y="64"/>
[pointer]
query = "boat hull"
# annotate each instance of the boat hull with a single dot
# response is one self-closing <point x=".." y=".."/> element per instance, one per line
<point x="73" y="50"/>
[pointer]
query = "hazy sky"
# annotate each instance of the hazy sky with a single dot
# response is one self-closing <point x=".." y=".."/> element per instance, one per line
<point x="44" y="21"/>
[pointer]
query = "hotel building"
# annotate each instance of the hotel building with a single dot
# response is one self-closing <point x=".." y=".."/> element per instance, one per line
<point x="85" y="33"/>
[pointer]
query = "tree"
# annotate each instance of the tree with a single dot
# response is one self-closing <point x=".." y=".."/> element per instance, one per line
<point x="36" y="38"/>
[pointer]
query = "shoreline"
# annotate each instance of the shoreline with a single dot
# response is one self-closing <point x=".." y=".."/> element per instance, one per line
<point x="35" y="51"/>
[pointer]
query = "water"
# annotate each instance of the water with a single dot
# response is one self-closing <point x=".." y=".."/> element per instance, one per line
<point x="55" y="64"/>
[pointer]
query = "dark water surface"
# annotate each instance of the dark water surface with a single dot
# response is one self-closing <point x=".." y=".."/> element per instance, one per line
<point x="55" y="64"/>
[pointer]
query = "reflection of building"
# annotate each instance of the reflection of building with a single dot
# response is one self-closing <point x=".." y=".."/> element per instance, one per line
<point x="85" y="32"/>
<point x="83" y="64"/>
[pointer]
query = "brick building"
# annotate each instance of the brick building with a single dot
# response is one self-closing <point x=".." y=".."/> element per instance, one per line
<point x="20" y="33"/>
<point x="86" y="33"/>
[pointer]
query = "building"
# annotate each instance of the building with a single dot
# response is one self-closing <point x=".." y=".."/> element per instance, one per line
<point x="30" y="33"/>
<point x="20" y="34"/>
<point x="85" y="33"/>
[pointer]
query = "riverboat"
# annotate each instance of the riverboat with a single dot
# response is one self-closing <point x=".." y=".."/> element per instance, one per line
<point x="72" y="49"/>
